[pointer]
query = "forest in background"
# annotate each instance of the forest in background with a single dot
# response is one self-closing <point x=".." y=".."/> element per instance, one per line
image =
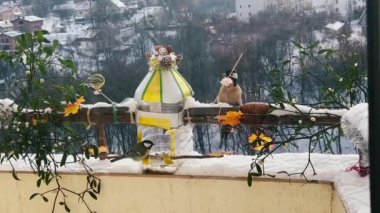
<point x="210" y="43"/>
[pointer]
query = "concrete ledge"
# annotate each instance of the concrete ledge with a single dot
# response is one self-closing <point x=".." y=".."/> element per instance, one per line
<point x="177" y="194"/>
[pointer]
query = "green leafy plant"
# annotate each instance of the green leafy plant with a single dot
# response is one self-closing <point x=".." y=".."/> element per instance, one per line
<point x="35" y="130"/>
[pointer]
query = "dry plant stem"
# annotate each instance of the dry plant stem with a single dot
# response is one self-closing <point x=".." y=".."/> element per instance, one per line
<point x="259" y="160"/>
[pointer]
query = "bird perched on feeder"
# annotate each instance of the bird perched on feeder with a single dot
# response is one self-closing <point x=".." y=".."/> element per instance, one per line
<point x="230" y="92"/>
<point x="95" y="81"/>
<point x="138" y="152"/>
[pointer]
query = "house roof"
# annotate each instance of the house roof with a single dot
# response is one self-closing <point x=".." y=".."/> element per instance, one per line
<point x="86" y="35"/>
<point x="32" y="18"/>
<point x="146" y="11"/>
<point x="85" y="5"/>
<point x="8" y="6"/>
<point x="13" y="33"/>
<point x="335" y="26"/>
<point x="118" y="4"/>
<point x="5" y="24"/>
<point x="67" y="6"/>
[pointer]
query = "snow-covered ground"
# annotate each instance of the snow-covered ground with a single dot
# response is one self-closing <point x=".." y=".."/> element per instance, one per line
<point x="353" y="189"/>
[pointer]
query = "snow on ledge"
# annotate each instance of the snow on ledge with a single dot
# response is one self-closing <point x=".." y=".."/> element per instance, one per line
<point x="297" y="109"/>
<point x="353" y="189"/>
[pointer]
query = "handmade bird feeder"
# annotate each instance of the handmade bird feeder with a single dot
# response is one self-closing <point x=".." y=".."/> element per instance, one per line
<point x="162" y="93"/>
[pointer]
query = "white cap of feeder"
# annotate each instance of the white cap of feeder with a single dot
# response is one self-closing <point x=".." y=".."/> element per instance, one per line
<point x="162" y="93"/>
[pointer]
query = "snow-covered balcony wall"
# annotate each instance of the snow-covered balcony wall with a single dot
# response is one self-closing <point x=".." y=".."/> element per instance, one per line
<point x="213" y="185"/>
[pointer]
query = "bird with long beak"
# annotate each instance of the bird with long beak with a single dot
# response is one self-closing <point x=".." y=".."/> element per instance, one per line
<point x="230" y="92"/>
<point x="138" y="152"/>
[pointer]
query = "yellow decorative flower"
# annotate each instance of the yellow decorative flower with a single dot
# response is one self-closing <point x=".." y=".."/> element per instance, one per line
<point x="232" y="118"/>
<point x="73" y="108"/>
<point x="260" y="140"/>
<point x="35" y="121"/>
<point x="103" y="149"/>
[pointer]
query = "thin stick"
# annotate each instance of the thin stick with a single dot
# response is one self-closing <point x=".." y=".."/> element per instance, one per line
<point x="237" y="62"/>
<point x="229" y="75"/>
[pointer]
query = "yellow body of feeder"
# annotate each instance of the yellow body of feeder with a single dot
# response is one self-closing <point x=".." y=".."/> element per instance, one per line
<point x="161" y="95"/>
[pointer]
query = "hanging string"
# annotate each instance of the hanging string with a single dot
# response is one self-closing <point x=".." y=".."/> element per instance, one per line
<point x="114" y="113"/>
<point x="90" y="124"/>
<point x="362" y="170"/>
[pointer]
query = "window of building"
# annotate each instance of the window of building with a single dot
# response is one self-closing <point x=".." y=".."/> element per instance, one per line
<point x="337" y="1"/>
<point x="249" y="6"/>
<point x="240" y="6"/>
<point x="20" y="22"/>
<point x="250" y="14"/>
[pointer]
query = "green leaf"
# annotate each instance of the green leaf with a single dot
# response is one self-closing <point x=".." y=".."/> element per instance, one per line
<point x="67" y="208"/>
<point x="297" y="44"/>
<point x="33" y="195"/>
<point x="61" y="203"/>
<point x="313" y="181"/>
<point x="304" y="52"/>
<point x="87" y="153"/>
<point x="249" y="180"/>
<point x="286" y="62"/>
<point x="40" y="36"/>
<point x="15" y="175"/>
<point x="313" y="45"/>
<point x="45" y="32"/>
<point x="55" y="44"/>
<point x="259" y="170"/>
<point x="45" y="40"/>
<point x="322" y="51"/>
<point x="68" y="63"/>
<point x="96" y="151"/>
<point x="39" y="182"/>
<point x="64" y="158"/>
<point x="98" y="188"/>
<point x="93" y="183"/>
<point x="45" y="198"/>
<point x="48" y="51"/>
<point x="92" y="194"/>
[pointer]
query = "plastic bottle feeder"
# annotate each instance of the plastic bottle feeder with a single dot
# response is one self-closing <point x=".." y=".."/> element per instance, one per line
<point x="162" y="93"/>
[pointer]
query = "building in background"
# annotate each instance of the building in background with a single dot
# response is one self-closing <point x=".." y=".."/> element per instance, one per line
<point x="5" y="26"/>
<point x="10" y="11"/>
<point x="28" y="24"/>
<point x="247" y="8"/>
<point x="8" y="40"/>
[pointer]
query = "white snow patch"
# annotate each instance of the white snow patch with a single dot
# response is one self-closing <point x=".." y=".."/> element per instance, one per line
<point x="297" y="109"/>
<point x="335" y="26"/>
<point x="7" y="107"/>
<point x="192" y="103"/>
<point x="355" y="125"/>
<point x="130" y="103"/>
